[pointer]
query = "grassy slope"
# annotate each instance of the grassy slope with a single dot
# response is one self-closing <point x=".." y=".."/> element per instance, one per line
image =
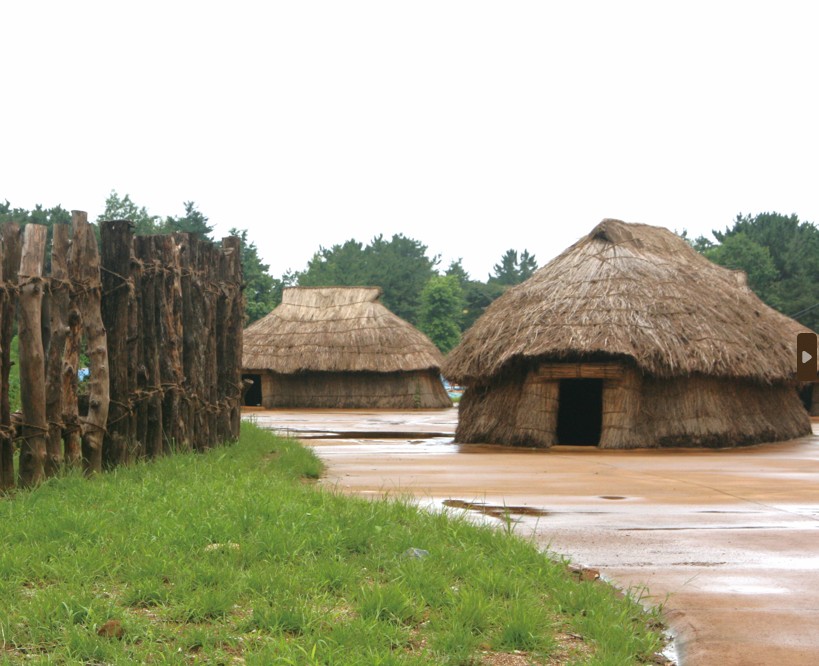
<point x="229" y="557"/>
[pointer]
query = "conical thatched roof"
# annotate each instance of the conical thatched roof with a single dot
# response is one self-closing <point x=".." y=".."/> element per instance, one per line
<point x="632" y="291"/>
<point x="336" y="329"/>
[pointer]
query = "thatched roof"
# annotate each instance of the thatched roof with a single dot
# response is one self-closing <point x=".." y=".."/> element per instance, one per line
<point x="336" y="329"/>
<point x="632" y="291"/>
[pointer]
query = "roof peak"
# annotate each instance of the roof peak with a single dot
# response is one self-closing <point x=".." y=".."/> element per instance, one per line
<point x="330" y="296"/>
<point x="613" y="230"/>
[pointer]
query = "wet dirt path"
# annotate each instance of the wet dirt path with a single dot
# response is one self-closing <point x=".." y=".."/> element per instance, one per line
<point x="727" y="541"/>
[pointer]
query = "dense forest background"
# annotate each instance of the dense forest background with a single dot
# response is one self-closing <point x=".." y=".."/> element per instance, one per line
<point x="779" y="253"/>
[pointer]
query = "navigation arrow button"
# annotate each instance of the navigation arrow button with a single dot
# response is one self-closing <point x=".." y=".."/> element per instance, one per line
<point x="806" y="361"/>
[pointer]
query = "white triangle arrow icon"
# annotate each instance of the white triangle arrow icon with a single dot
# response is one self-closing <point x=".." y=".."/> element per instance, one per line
<point x="806" y="357"/>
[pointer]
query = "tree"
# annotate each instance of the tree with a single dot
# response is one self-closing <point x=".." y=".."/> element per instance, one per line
<point x="793" y="248"/>
<point x="122" y="208"/>
<point x="48" y="217"/>
<point x="700" y="243"/>
<point x="477" y="295"/>
<point x="513" y="269"/>
<point x="526" y="266"/>
<point x="399" y="266"/>
<point x="738" y="252"/>
<point x="262" y="291"/>
<point x="192" y="221"/>
<point x="440" y="307"/>
<point x="338" y="266"/>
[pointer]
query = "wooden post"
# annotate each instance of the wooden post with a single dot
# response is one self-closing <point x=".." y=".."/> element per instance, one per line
<point x="230" y="353"/>
<point x="84" y="268"/>
<point x="170" y="364"/>
<point x="5" y="367"/>
<point x="118" y="288"/>
<point x="32" y="357"/>
<point x="12" y="249"/>
<point x="238" y="325"/>
<point x="191" y="354"/>
<point x="209" y="267"/>
<point x="134" y="350"/>
<point x="72" y="440"/>
<point x="195" y="330"/>
<point x="58" y="312"/>
<point x="200" y="329"/>
<point x="149" y="409"/>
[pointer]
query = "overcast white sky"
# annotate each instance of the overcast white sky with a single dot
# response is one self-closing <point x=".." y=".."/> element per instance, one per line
<point x="471" y="126"/>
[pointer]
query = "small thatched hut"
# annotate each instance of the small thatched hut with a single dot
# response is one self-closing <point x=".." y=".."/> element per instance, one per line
<point x="628" y="339"/>
<point x="340" y="347"/>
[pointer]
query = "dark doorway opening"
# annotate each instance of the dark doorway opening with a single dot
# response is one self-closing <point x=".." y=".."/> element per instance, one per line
<point x="253" y="394"/>
<point x="580" y="411"/>
<point x="806" y="396"/>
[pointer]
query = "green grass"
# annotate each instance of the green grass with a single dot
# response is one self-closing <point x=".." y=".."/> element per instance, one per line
<point x="233" y="557"/>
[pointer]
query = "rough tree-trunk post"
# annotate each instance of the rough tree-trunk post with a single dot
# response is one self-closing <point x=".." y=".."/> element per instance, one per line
<point x="117" y="287"/>
<point x="232" y="360"/>
<point x="187" y="244"/>
<point x="136" y="367"/>
<point x="222" y="313"/>
<point x="72" y="439"/>
<point x="12" y="248"/>
<point x="171" y="343"/>
<point x="195" y="331"/>
<point x="32" y="357"/>
<point x="210" y="263"/>
<point x="149" y="409"/>
<point x="181" y="433"/>
<point x="58" y="312"/>
<point x="84" y="268"/>
<point x="238" y="322"/>
<point x="5" y="431"/>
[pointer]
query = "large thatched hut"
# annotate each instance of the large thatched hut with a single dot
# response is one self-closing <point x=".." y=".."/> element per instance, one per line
<point x="629" y="338"/>
<point x="340" y="347"/>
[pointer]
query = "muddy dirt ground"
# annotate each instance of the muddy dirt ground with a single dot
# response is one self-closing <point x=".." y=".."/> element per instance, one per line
<point x="727" y="541"/>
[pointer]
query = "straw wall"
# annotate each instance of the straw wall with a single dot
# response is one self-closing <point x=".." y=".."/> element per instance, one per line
<point x="711" y="412"/>
<point x="396" y="390"/>
<point x="520" y="407"/>
<point x="622" y="409"/>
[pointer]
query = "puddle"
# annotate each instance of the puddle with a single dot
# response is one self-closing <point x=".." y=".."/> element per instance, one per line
<point x="744" y="585"/>
<point x="494" y="510"/>
<point x="703" y="527"/>
<point x="365" y="434"/>
<point x="343" y="448"/>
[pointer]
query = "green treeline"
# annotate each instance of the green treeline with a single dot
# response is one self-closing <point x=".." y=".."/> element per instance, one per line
<point x="779" y="253"/>
<point x="780" y="256"/>
<point x="441" y="305"/>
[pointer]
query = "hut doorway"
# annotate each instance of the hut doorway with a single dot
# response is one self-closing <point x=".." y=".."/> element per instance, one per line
<point x="809" y="395"/>
<point x="253" y="395"/>
<point x="580" y="411"/>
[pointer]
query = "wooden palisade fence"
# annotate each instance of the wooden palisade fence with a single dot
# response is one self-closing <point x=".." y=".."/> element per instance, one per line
<point x="159" y="319"/>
